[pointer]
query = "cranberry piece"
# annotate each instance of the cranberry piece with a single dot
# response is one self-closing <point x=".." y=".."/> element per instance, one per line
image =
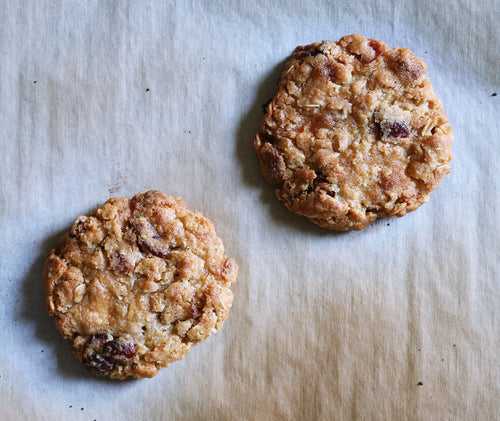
<point x="99" y="363"/>
<point x="118" y="349"/>
<point x="195" y="312"/>
<point x="395" y="129"/>
<point x="148" y="238"/>
<point x="103" y="353"/>
<point x="306" y="51"/>
<point x="121" y="263"/>
<point x="273" y="164"/>
<point x="128" y="349"/>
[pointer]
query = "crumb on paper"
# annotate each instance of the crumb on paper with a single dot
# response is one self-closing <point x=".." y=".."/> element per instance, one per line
<point x="114" y="188"/>
<point x="117" y="185"/>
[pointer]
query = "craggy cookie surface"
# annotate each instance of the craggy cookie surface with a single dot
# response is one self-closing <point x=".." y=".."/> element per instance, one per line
<point x="354" y="133"/>
<point x="134" y="286"/>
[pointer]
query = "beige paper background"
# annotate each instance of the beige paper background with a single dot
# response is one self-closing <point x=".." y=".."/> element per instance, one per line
<point x="324" y="326"/>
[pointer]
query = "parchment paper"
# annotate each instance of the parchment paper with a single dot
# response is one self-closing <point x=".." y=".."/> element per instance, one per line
<point x="115" y="97"/>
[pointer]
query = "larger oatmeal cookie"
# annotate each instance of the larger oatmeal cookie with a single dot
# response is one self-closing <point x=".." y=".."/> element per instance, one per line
<point x="135" y="285"/>
<point x="354" y="133"/>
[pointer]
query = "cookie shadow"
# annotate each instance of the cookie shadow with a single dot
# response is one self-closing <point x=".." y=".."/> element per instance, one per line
<point x="250" y="168"/>
<point x="33" y="310"/>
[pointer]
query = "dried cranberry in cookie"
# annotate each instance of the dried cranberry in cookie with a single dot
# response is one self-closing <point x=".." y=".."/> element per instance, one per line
<point x="104" y="354"/>
<point x="354" y="133"/>
<point x="135" y="285"/>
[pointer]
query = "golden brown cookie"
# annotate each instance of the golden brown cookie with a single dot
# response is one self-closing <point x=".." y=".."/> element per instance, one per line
<point x="354" y="133"/>
<point x="136" y="284"/>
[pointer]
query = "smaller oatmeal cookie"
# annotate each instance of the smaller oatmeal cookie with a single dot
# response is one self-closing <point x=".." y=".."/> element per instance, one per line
<point x="354" y="133"/>
<point x="135" y="285"/>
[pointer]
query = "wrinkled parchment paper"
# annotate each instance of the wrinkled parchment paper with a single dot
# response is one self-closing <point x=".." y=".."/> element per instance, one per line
<point x="400" y="322"/>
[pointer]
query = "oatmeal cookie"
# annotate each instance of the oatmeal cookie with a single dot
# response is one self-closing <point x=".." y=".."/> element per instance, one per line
<point x="136" y="284"/>
<point x="354" y="133"/>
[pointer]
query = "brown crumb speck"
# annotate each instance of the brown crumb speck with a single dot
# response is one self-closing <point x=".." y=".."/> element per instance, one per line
<point x="420" y="384"/>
